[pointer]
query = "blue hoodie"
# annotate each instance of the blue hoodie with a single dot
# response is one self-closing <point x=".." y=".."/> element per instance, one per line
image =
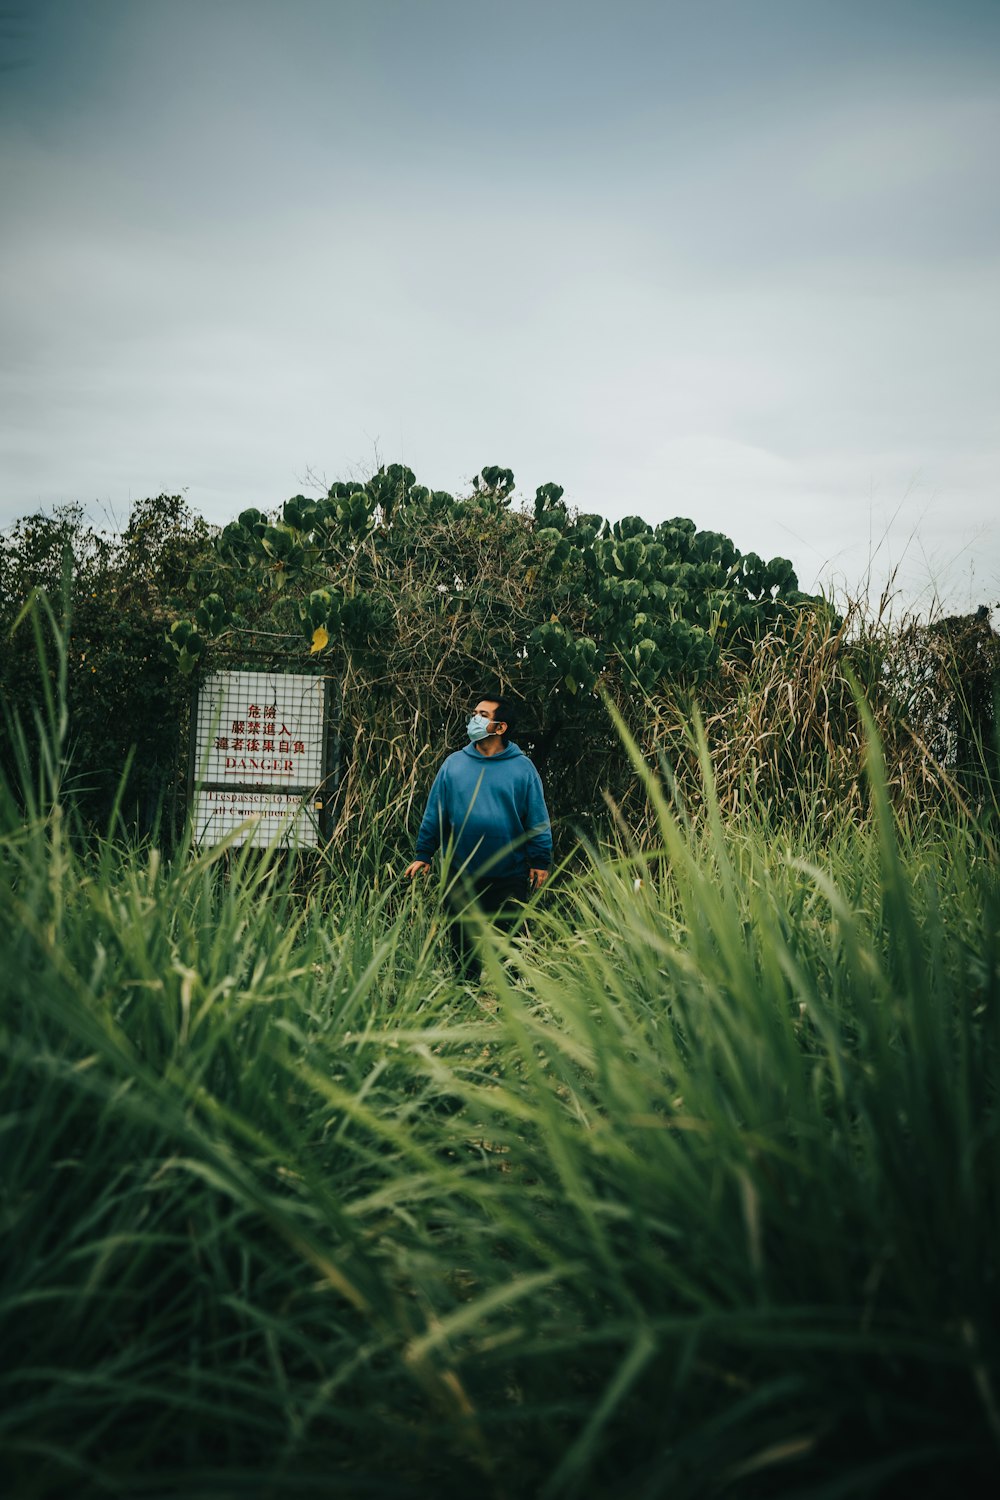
<point x="487" y="803"/>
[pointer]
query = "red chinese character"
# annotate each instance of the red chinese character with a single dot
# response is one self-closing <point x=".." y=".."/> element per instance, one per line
<point x="270" y="710"/>
<point x="269" y="745"/>
<point x="222" y="742"/>
<point x="253" y="711"/>
<point x="238" y="726"/>
<point x="298" y="747"/>
<point x="253" y="726"/>
<point x="284" y="747"/>
<point x="253" y="744"/>
<point x="237" y="744"/>
<point x="285" y="730"/>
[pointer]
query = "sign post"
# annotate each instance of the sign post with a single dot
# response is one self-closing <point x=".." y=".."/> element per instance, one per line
<point x="260" y="751"/>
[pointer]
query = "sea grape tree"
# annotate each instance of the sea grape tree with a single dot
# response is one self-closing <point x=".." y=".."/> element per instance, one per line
<point x="624" y="600"/>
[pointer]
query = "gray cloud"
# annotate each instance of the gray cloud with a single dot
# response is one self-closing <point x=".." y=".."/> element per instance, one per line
<point x="680" y="260"/>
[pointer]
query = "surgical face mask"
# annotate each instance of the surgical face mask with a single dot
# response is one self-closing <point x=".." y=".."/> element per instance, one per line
<point x="478" y="727"/>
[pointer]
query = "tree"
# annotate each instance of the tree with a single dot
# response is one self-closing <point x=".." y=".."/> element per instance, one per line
<point x="413" y="597"/>
<point x="119" y="592"/>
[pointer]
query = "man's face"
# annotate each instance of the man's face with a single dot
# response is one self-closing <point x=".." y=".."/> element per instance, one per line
<point x="488" y="707"/>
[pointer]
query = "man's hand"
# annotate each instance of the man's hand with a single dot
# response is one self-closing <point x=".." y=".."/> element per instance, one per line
<point x="536" y="879"/>
<point x="415" y="868"/>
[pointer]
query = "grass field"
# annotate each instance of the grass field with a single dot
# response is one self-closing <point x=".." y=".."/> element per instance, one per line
<point x="698" y="1193"/>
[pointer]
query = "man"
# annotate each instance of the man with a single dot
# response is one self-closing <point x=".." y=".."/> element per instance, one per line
<point x="488" y="807"/>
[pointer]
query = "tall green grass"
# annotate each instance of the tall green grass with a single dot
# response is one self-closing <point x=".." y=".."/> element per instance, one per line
<point x="698" y="1193"/>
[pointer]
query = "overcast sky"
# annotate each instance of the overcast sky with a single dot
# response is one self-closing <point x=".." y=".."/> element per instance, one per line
<point x="730" y="259"/>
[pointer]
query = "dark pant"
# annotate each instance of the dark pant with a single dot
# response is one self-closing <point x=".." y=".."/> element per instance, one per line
<point x="500" y="900"/>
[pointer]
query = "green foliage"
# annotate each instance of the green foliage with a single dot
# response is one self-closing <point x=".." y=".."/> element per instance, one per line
<point x="412" y="598"/>
<point x="651" y="604"/>
<point x="699" y="1196"/>
<point x="121" y="593"/>
<point x="187" y="643"/>
<point x="570" y="659"/>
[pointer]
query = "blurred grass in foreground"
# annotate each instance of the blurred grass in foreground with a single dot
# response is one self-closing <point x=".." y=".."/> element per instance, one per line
<point x="700" y="1194"/>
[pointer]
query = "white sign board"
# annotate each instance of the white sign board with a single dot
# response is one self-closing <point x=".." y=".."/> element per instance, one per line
<point x="259" y="742"/>
<point x="279" y="818"/>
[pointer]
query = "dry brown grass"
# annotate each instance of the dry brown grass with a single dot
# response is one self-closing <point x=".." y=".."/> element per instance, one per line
<point x="786" y="733"/>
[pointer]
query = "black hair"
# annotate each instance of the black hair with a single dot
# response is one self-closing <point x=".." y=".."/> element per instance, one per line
<point x="506" y="713"/>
